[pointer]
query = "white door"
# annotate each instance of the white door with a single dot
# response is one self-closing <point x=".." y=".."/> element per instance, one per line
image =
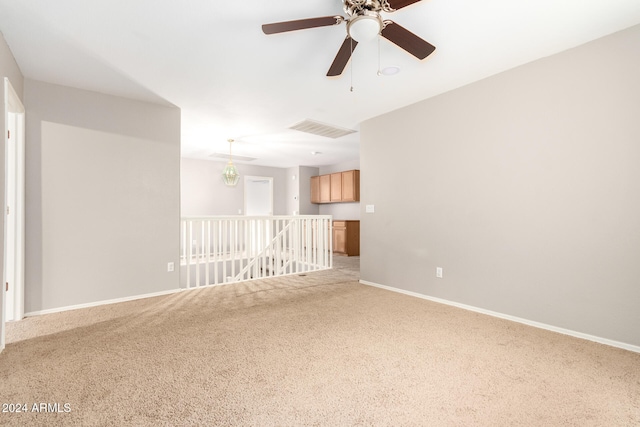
<point x="258" y="196"/>
<point x="258" y="201"/>
<point x="13" y="297"/>
<point x="10" y="221"/>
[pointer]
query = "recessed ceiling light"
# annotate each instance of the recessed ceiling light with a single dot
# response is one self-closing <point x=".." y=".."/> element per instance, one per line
<point x="315" y="153"/>
<point x="390" y="71"/>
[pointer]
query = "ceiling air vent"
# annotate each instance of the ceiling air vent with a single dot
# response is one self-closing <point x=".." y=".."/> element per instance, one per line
<point x="317" y="128"/>
<point x="225" y="156"/>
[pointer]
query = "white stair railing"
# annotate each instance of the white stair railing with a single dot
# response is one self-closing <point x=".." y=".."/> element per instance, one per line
<point x="218" y="250"/>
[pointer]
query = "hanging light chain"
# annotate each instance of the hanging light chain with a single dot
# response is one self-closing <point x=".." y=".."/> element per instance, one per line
<point x="352" y="61"/>
<point x="379" y="72"/>
<point x="230" y="144"/>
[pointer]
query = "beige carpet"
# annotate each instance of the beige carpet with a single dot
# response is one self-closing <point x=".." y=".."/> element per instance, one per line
<point x="315" y="350"/>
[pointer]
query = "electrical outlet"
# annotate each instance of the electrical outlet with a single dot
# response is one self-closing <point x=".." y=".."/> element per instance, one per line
<point x="439" y="272"/>
<point x="170" y="267"/>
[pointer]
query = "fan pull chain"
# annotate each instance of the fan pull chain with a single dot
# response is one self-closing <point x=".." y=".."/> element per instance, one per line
<point x="352" y="61"/>
<point x="379" y="72"/>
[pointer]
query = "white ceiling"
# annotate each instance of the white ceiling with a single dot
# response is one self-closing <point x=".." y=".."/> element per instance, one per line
<point x="211" y="59"/>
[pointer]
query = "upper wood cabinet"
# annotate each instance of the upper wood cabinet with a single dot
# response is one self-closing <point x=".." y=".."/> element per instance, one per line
<point x="336" y="187"/>
<point x="315" y="189"/>
<point x="351" y="186"/>
<point x="325" y="189"/>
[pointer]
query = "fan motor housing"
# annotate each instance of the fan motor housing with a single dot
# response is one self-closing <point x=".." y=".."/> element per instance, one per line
<point x="360" y="7"/>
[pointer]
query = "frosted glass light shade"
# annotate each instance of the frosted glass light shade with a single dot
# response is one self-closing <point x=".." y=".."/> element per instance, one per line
<point x="230" y="175"/>
<point x="364" y="28"/>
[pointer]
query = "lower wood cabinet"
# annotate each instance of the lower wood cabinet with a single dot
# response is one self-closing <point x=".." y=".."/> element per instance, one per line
<point x="346" y="237"/>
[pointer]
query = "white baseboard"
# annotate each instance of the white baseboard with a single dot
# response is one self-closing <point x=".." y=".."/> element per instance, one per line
<point x="98" y="303"/>
<point x="569" y="332"/>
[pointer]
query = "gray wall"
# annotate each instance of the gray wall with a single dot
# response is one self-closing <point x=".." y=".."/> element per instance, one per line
<point x="299" y="191"/>
<point x="524" y="187"/>
<point x="8" y="68"/>
<point x="103" y="197"/>
<point x="306" y="207"/>
<point x="204" y="193"/>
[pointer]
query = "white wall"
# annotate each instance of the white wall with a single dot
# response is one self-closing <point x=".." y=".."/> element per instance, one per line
<point x="8" y="68"/>
<point x="524" y="187"/>
<point x="347" y="210"/>
<point x="103" y="197"/>
<point x="203" y="193"/>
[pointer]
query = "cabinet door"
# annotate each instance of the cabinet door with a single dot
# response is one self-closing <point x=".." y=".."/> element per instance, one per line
<point x="336" y="187"/>
<point x="351" y="186"/>
<point x="353" y="238"/>
<point x="325" y="188"/>
<point x="339" y="237"/>
<point x="315" y="189"/>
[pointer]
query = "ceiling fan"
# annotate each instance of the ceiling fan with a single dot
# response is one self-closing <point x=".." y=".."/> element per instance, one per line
<point x="363" y="23"/>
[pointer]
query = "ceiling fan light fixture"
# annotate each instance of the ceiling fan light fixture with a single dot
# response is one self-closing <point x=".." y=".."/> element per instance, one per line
<point x="364" y="28"/>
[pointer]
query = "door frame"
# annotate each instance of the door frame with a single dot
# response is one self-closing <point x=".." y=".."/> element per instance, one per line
<point x="13" y="105"/>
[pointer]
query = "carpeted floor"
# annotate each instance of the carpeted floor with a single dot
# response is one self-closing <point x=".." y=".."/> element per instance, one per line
<point x="314" y="350"/>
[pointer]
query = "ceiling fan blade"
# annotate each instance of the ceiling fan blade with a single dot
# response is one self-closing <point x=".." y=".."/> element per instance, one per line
<point x="342" y="58"/>
<point x="399" y="4"/>
<point x="301" y="24"/>
<point x="406" y="40"/>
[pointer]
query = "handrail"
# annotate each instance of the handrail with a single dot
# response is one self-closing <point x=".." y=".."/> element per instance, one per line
<point x="270" y="247"/>
<point x="223" y="249"/>
<point x="234" y="217"/>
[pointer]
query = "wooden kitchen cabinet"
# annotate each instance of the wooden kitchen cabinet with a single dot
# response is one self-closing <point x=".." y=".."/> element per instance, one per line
<point x="351" y="186"/>
<point x="325" y="188"/>
<point x="336" y="187"/>
<point x="315" y="189"/>
<point x="346" y="237"/>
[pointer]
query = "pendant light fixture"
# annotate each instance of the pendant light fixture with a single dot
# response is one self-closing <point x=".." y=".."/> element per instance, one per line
<point x="230" y="175"/>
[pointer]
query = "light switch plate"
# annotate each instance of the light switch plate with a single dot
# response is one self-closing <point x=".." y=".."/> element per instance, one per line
<point x="370" y="208"/>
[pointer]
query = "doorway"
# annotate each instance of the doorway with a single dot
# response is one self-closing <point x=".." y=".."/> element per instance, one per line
<point x="258" y="196"/>
<point x="258" y="201"/>
<point x="13" y="271"/>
